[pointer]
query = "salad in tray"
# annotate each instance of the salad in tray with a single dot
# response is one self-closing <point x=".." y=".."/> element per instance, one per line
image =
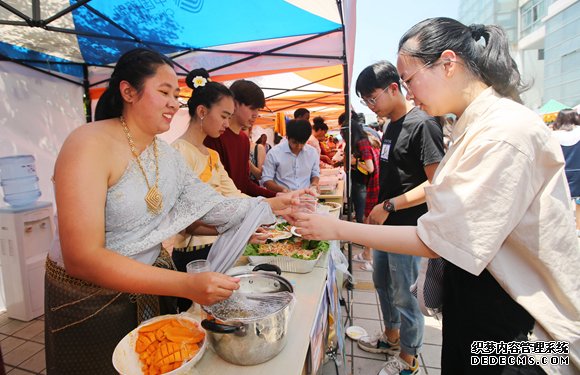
<point x="294" y="247"/>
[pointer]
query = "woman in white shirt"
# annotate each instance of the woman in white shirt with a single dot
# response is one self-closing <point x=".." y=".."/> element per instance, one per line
<point x="498" y="207"/>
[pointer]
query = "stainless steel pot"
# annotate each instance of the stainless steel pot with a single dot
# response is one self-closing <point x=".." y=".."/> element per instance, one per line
<point x="256" y="335"/>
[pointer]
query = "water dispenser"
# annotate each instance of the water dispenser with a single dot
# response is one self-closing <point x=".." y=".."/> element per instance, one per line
<point x="26" y="234"/>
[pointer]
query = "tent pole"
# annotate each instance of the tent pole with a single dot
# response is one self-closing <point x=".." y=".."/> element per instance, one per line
<point x="87" y="95"/>
<point x="349" y="143"/>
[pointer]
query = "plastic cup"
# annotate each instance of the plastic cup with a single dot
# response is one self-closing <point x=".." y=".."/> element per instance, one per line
<point x="197" y="266"/>
<point x="307" y="203"/>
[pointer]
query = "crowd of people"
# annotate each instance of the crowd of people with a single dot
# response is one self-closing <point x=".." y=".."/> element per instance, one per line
<point x="463" y="171"/>
<point x="497" y="210"/>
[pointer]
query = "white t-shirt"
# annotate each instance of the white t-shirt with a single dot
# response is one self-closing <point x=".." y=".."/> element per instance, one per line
<point x="499" y="201"/>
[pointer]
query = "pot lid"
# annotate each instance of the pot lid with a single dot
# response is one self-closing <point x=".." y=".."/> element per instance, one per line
<point x="260" y="295"/>
<point x="248" y="306"/>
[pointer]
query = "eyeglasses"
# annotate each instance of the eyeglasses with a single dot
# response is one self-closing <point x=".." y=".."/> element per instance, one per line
<point x="406" y="82"/>
<point x="373" y="101"/>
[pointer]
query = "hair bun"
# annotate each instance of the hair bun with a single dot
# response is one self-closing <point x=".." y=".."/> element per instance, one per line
<point x="318" y="120"/>
<point x="199" y="72"/>
<point x="477" y="31"/>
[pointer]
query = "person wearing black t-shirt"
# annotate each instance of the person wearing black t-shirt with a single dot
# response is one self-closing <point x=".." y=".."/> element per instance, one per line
<point x="411" y="149"/>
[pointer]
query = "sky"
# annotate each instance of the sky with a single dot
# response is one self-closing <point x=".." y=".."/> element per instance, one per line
<point x="381" y="23"/>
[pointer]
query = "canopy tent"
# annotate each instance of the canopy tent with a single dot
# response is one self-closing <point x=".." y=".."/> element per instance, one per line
<point x="70" y="47"/>
<point x="550" y="109"/>
<point x="252" y="38"/>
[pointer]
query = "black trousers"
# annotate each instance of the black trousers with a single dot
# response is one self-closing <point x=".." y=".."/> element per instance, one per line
<point x="180" y="259"/>
<point x="476" y="308"/>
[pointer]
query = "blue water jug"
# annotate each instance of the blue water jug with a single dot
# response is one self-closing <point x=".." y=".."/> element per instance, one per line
<point x="18" y="180"/>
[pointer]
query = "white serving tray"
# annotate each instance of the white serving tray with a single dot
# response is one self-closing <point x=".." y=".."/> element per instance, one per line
<point x="286" y="264"/>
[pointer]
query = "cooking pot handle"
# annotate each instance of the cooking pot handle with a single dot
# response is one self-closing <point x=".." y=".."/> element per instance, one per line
<point x="267" y="267"/>
<point x="211" y="325"/>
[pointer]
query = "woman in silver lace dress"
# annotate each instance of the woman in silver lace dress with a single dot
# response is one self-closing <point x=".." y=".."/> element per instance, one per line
<point x="120" y="192"/>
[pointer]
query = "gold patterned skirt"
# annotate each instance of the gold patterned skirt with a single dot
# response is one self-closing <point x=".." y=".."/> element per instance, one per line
<point x="84" y="322"/>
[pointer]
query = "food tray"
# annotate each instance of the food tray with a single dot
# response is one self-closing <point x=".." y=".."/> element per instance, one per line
<point x="286" y="264"/>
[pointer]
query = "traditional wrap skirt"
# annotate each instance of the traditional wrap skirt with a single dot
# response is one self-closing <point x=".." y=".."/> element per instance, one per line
<point x="84" y="322"/>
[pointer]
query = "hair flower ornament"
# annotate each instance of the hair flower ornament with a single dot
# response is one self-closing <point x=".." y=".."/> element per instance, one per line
<point x="199" y="81"/>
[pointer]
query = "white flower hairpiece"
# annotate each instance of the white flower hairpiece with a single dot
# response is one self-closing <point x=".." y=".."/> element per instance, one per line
<point x="199" y="81"/>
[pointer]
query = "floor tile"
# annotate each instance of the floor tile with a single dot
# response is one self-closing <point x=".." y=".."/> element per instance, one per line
<point x="22" y="353"/>
<point x="432" y="335"/>
<point x="433" y="321"/>
<point x="4" y="319"/>
<point x="366" y="311"/>
<point x="358" y="353"/>
<point x="432" y="371"/>
<point x="31" y="330"/>
<point x="18" y="371"/>
<point x="370" y="325"/>
<point x="368" y="297"/>
<point x="2" y="336"/>
<point x="13" y="325"/>
<point x="365" y="366"/>
<point x="36" y="363"/>
<point x="431" y="355"/>
<point x="39" y="338"/>
<point x="362" y="276"/>
<point x="10" y="343"/>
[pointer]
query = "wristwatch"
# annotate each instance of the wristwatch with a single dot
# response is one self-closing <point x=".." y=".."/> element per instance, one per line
<point x="389" y="206"/>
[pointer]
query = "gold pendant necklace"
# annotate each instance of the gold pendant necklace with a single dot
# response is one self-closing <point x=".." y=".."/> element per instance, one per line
<point x="153" y="198"/>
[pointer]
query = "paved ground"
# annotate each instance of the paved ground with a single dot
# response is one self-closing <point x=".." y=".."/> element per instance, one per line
<point x="365" y="312"/>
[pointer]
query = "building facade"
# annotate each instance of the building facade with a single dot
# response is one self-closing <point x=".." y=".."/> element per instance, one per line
<point x="545" y="40"/>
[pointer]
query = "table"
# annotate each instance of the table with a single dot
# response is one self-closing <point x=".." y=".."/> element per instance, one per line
<point x="337" y="196"/>
<point x="308" y="288"/>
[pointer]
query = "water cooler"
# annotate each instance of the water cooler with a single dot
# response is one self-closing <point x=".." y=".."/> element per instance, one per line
<point x="26" y="235"/>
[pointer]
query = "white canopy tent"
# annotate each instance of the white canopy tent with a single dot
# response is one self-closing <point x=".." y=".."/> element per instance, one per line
<point x="54" y="52"/>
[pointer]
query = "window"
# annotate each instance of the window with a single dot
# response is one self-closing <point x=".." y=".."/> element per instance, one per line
<point x="531" y="15"/>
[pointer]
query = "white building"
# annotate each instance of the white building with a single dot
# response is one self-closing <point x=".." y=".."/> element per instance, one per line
<point x="545" y="41"/>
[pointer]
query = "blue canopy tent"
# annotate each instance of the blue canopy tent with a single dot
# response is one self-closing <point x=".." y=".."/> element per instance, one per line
<point x="69" y="47"/>
<point x="79" y="41"/>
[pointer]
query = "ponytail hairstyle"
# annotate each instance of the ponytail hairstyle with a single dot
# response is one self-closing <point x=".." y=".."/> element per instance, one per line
<point x="489" y="60"/>
<point x="134" y="66"/>
<point x="205" y="91"/>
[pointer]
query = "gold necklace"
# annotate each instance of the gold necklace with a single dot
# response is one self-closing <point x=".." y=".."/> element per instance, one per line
<point x="153" y="198"/>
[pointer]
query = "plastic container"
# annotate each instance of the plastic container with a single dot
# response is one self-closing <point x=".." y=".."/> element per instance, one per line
<point x="18" y="180"/>
<point x="17" y="166"/>
<point x="19" y="185"/>
<point x="22" y="199"/>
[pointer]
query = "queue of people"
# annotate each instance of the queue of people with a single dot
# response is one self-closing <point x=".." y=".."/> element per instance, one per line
<point x="509" y="258"/>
